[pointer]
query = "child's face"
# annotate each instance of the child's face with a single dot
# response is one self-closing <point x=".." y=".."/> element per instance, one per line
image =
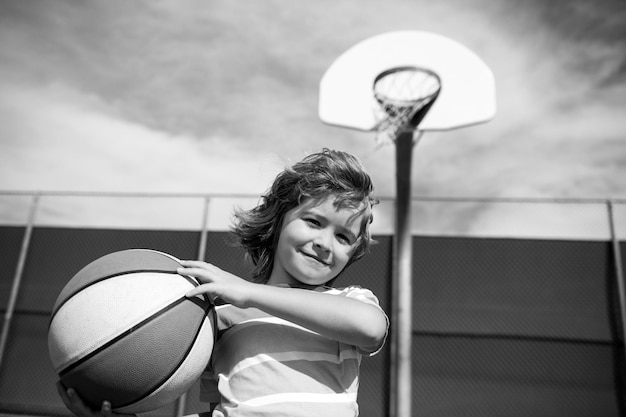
<point x="315" y="243"/>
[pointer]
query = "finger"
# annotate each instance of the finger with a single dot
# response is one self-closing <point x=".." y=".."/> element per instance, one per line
<point x="63" y="393"/>
<point x="190" y="270"/>
<point x="198" y="273"/>
<point x="76" y="404"/>
<point x="194" y="264"/>
<point x="75" y="399"/>
<point x="200" y="289"/>
<point x="105" y="411"/>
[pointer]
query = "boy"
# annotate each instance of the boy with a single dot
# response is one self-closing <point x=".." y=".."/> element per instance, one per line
<point x="288" y="343"/>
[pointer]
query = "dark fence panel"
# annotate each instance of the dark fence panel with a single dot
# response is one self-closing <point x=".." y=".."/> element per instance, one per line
<point x="502" y="327"/>
<point x="10" y="244"/>
<point x="506" y="327"/>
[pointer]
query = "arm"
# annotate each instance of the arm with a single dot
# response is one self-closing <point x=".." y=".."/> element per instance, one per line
<point x="339" y="318"/>
<point x="343" y="319"/>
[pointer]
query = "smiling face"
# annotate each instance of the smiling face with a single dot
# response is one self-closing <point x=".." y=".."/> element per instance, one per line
<point x="315" y="243"/>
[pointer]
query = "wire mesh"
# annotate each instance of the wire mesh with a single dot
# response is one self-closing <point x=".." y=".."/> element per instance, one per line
<point x="503" y="325"/>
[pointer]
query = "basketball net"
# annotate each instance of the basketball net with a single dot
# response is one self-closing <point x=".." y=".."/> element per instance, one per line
<point x="400" y="94"/>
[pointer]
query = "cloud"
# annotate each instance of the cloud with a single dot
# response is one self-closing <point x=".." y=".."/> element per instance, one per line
<point x="70" y="144"/>
<point x="116" y="95"/>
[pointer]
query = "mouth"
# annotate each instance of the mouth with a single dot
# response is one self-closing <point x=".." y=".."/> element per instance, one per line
<point x="315" y="258"/>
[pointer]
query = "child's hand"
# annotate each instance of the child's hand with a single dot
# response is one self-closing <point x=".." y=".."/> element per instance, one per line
<point x="75" y="404"/>
<point x="217" y="283"/>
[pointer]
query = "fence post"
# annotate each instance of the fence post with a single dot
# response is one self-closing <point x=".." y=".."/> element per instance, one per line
<point x="204" y="230"/>
<point x="619" y="270"/>
<point x="17" y="279"/>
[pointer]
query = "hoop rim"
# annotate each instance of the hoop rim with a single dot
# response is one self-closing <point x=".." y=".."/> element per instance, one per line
<point x="383" y="99"/>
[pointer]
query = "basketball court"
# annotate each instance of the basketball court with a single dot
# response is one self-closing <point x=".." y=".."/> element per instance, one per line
<point x="489" y="327"/>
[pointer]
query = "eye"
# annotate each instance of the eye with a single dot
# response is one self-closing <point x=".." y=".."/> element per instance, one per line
<point x="312" y="221"/>
<point x="345" y="239"/>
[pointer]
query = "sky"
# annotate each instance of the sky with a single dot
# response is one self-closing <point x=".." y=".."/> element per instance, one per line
<point x="194" y="96"/>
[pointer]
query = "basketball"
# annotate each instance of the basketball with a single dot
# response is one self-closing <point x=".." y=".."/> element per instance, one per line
<point x="122" y="330"/>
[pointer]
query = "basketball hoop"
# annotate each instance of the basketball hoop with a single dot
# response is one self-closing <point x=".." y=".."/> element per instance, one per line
<point x="381" y="84"/>
<point x="400" y="94"/>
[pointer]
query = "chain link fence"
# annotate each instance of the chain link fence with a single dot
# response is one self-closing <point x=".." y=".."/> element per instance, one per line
<point x="518" y="305"/>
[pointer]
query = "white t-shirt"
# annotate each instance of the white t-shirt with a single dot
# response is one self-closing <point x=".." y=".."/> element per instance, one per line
<point x="266" y="366"/>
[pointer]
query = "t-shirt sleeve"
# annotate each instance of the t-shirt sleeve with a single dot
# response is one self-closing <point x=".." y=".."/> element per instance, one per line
<point x="364" y="295"/>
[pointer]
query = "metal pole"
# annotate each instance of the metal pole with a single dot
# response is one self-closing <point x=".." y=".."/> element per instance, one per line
<point x="401" y="323"/>
<point x="17" y="279"/>
<point x="205" y="229"/>
<point x="180" y="402"/>
<point x="619" y="271"/>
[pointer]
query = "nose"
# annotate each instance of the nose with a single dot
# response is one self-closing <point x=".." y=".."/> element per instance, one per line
<point x="322" y="241"/>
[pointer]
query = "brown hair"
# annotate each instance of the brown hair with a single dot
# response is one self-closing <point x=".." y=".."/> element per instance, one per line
<point x="317" y="176"/>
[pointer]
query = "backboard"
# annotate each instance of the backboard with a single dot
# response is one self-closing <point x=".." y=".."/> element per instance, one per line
<point x="467" y="94"/>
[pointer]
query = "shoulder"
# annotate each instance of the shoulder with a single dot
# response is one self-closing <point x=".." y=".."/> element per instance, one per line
<point x="228" y="315"/>
<point x="353" y="291"/>
<point x="366" y="296"/>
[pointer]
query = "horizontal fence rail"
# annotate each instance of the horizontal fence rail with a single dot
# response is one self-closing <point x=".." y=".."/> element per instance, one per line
<point x="553" y="218"/>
